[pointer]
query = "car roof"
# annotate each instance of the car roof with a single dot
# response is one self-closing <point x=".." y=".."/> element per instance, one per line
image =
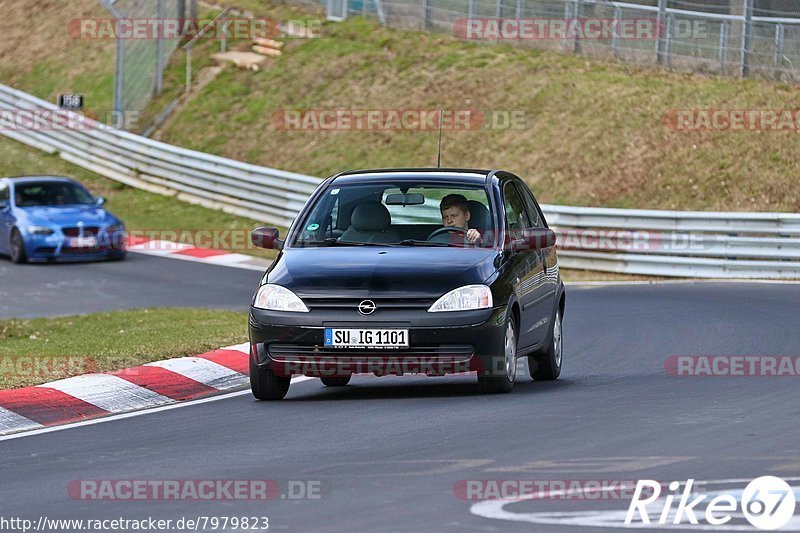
<point x="460" y="175"/>
<point x="38" y="179"/>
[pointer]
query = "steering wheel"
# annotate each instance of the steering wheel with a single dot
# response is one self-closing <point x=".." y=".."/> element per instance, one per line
<point x="447" y="229"/>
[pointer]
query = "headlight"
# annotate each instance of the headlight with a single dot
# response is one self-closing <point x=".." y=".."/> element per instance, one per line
<point x="277" y="298"/>
<point x="40" y="230"/>
<point x="464" y="299"/>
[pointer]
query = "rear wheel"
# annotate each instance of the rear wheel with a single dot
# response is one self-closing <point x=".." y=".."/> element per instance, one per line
<point x="17" y="247"/>
<point x="336" y="381"/>
<point x="266" y="385"/>
<point x="488" y="380"/>
<point x="547" y="366"/>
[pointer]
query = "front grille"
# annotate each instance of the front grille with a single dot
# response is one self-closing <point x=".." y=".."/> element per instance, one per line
<point x="45" y="250"/>
<point x="75" y="232"/>
<point x="351" y="304"/>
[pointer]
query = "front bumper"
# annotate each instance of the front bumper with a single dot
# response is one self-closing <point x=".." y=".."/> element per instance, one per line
<point x="57" y="247"/>
<point x="439" y="343"/>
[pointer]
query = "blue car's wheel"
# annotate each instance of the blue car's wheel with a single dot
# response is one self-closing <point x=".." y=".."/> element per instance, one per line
<point x="17" y="247"/>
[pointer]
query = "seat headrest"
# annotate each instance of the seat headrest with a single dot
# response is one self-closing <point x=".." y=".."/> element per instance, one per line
<point x="371" y="216"/>
<point x="479" y="215"/>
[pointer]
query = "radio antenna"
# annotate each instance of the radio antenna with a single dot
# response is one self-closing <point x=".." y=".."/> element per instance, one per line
<point x="439" y="150"/>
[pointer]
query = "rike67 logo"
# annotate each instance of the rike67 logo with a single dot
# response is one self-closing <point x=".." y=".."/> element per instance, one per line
<point x="767" y="503"/>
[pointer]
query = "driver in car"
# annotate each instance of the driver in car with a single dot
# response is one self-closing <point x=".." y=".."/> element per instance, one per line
<point x="455" y="214"/>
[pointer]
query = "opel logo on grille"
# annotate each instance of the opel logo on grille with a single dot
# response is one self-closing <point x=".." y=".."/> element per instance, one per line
<point x="367" y="307"/>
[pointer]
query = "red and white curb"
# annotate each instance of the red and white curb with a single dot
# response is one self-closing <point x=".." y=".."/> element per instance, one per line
<point x="175" y="250"/>
<point x="97" y="395"/>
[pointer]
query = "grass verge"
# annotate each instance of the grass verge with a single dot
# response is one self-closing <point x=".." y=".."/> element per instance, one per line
<point x="67" y="346"/>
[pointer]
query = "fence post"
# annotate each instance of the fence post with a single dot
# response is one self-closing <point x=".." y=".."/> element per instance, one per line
<point x="499" y="14"/>
<point x="518" y="12"/>
<point x="160" y="49"/>
<point x="670" y="31"/>
<point x="577" y="15"/>
<point x="426" y="7"/>
<point x="723" y="45"/>
<point x="779" y="43"/>
<point x="188" y="71"/>
<point x="471" y="9"/>
<point x="747" y="38"/>
<point x="661" y="42"/>
<point x="615" y="30"/>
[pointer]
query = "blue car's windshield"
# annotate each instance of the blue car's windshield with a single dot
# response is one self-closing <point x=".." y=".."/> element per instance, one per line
<point x="50" y="194"/>
<point x="399" y="214"/>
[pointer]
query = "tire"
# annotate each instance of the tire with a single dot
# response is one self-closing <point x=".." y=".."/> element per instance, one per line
<point x="266" y="385"/>
<point x="547" y="366"/>
<point x="17" y="247"/>
<point x="336" y="381"/>
<point x="488" y="383"/>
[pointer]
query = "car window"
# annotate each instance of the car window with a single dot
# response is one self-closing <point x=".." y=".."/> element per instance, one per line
<point x="51" y="194"/>
<point x="389" y="213"/>
<point x="3" y="191"/>
<point x="530" y="206"/>
<point x="516" y="219"/>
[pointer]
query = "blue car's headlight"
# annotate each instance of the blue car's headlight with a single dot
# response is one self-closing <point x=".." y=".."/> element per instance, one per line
<point x="40" y="230"/>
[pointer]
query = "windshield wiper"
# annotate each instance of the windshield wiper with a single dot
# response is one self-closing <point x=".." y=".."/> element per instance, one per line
<point x="415" y="242"/>
<point x="332" y="241"/>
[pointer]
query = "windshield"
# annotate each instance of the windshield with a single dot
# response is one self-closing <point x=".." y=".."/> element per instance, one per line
<point x="51" y="193"/>
<point x="399" y="214"/>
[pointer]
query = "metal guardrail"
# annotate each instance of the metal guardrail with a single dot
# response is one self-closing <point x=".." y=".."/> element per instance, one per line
<point x="662" y="243"/>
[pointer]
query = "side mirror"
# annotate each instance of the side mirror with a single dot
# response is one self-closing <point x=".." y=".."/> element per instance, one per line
<point x="100" y="200"/>
<point x="266" y="238"/>
<point x="4" y="205"/>
<point x="534" y="239"/>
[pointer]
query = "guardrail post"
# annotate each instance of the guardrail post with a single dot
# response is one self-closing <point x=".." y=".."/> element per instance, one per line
<point x="661" y="44"/>
<point x="747" y="38"/>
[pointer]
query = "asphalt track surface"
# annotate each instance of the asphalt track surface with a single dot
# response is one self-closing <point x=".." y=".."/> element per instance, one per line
<point x="388" y="452"/>
<point x="37" y="290"/>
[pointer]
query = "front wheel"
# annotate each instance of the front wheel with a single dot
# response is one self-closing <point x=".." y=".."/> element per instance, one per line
<point x="18" y="248"/>
<point x="488" y="380"/>
<point x="266" y="385"/>
<point x="547" y="366"/>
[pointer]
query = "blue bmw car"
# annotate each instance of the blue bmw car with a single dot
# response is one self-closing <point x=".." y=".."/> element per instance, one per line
<point x="47" y="218"/>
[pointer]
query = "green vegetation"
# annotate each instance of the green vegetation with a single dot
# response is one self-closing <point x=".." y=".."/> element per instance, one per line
<point x="110" y="341"/>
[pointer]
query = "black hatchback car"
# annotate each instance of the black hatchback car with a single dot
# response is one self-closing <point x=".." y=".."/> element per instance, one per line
<point x="428" y="271"/>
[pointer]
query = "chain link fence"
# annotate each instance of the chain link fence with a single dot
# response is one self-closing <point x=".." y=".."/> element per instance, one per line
<point x="140" y="62"/>
<point x="730" y="37"/>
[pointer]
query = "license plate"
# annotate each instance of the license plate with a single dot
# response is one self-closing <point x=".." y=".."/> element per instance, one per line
<point x="366" y="338"/>
<point x="83" y="242"/>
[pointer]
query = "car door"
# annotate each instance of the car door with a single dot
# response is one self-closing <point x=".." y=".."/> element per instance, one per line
<point x="544" y="271"/>
<point x="522" y="261"/>
<point x="5" y="216"/>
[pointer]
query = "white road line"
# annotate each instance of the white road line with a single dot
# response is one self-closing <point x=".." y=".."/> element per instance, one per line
<point x="108" y="392"/>
<point x="11" y="421"/>
<point x="171" y="255"/>
<point x="202" y="370"/>
<point x="132" y="414"/>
